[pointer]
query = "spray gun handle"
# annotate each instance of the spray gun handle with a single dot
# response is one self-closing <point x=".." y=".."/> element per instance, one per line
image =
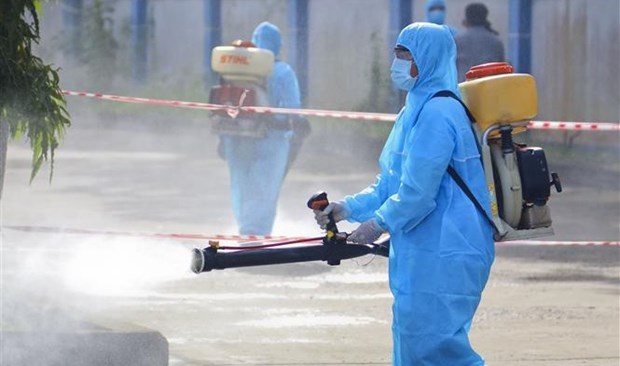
<point x="319" y="201"/>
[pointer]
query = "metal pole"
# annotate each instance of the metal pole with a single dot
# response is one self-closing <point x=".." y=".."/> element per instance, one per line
<point x="213" y="35"/>
<point x="298" y="42"/>
<point x="139" y="39"/>
<point x="520" y="35"/>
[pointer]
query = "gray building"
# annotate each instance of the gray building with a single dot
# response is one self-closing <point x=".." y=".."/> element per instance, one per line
<point x="575" y="48"/>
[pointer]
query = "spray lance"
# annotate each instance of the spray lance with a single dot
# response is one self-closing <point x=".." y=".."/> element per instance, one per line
<point x="331" y="248"/>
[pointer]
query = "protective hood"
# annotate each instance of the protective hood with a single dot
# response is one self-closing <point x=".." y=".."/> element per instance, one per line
<point x="431" y="3"/>
<point x="267" y="36"/>
<point x="434" y="18"/>
<point x="434" y="53"/>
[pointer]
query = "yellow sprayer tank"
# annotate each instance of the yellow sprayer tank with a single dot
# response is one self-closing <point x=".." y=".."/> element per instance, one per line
<point x="242" y="62"/>
<point x="496" y="96"/>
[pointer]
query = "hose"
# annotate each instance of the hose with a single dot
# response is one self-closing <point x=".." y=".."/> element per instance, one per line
<point x="272" y="245"/>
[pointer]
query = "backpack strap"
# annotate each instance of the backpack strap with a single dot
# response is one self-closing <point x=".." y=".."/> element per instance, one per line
<point x="450" y="94"/>
<point x="452" y="172"/>
<point x="459" y="182"/>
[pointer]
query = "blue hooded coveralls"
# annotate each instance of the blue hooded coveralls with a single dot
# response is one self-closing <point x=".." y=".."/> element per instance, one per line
<point x="258" y="166"/>
<point x="441" y="247"/>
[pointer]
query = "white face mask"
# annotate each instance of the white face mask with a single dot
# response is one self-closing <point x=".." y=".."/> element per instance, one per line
<point x="401" y="74"/>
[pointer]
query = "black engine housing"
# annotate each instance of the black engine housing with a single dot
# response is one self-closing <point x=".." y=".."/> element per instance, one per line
<point x="535" y="176"/>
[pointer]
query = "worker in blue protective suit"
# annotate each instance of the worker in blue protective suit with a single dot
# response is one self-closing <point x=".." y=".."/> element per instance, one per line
<point x="436" y="13"/>
<point x="258" y="166"/>
<point x="441" y="247"/>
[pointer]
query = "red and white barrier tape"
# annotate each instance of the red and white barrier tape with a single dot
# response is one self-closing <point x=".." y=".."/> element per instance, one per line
<point x="264" y="239"/>
<point x="574" y="126"/>
<point x="383" y="117"/>
<point x="237" y="238"/>
<point x="218" y="107"/>
<point x="553" y="243"/>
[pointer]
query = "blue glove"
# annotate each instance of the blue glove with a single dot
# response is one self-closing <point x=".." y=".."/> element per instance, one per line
<point x="368" y="232"/>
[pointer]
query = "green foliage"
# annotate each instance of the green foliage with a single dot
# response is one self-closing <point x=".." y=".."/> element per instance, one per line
<point x="31" y="100"/>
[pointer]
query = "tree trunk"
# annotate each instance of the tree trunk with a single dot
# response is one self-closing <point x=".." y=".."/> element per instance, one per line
<point x="4" y="142"/>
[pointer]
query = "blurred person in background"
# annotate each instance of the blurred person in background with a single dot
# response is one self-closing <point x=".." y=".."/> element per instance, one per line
<point x="439" y="262"/>
<point x="258" y="165"/>
<point x="478" y="43"/>
<point x="436" y="14"/>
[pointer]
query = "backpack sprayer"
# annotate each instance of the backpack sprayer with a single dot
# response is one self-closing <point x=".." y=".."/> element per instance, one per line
<point x="500" y="104"/>
<point x="243" y="70"/>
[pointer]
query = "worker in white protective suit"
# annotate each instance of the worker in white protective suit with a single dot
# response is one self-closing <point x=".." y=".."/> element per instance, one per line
<point x="441" y="246"/>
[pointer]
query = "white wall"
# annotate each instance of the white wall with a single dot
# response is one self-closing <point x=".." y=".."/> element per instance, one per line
<point x="576" y="59"/>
